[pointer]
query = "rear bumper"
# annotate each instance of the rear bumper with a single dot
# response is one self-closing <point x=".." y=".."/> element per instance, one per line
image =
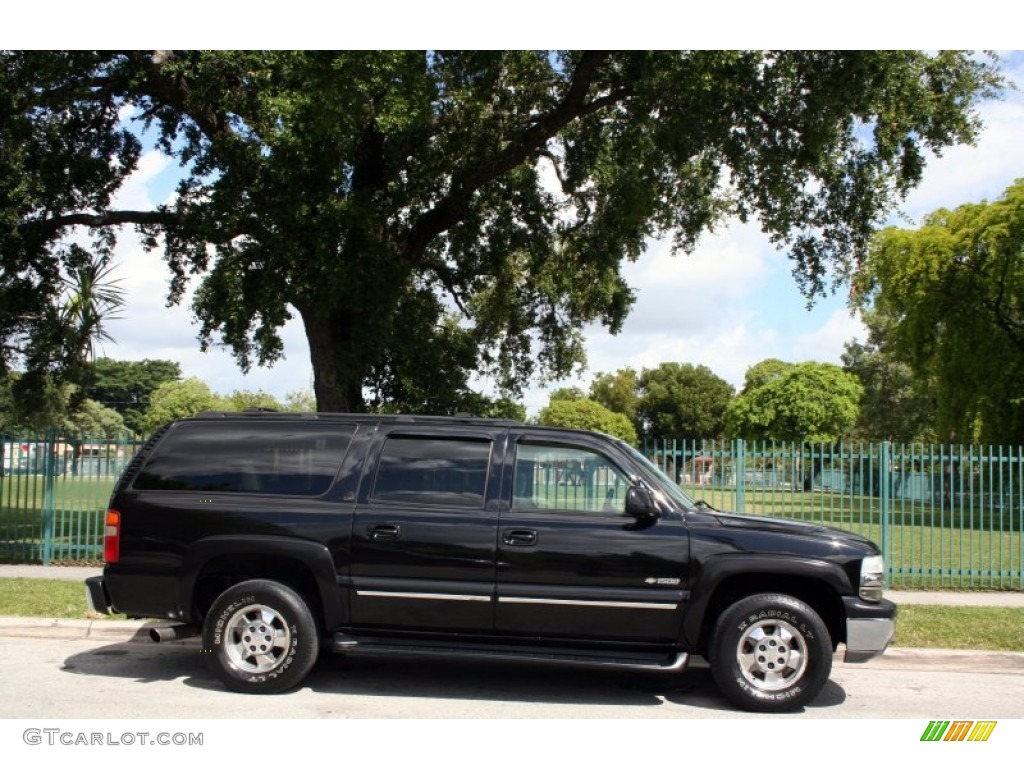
<point x="869" y="628"/>
<point x="96" y="595"/>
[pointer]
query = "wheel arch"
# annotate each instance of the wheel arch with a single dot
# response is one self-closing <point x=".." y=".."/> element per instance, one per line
<point x="817" y="583"/>
<point x="216" y="563"/>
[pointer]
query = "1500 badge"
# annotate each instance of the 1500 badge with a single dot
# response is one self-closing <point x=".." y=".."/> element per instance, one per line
<point x="662" y="582"/>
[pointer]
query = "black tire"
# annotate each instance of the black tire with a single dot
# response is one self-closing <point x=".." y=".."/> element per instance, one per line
<point x="260" y="637"/>
<point x="770" y="653"/>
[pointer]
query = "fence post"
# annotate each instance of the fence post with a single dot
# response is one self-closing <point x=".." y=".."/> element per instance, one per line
<point x="741" y="476"/>
<point x="885" y="483"/>
<point x="49" y="506"/>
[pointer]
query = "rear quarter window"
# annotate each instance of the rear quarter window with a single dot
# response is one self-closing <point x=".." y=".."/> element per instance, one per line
<point x="270" y="458"/>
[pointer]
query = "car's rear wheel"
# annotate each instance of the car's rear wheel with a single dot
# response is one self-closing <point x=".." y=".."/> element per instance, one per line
<point x="260" y="637"/>
<point x="770" y="653"/>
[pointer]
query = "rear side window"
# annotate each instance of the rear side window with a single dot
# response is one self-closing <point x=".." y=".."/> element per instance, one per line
<point x="445" y="471"/>
<point x="239" y="457"/>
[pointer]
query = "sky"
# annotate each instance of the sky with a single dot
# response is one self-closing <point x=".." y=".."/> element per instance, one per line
<point x="731" y="303"/>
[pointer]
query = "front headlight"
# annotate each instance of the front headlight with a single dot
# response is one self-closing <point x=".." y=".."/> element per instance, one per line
<point x="872" y="578"/>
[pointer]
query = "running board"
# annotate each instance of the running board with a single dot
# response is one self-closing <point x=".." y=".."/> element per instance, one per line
<point x="646" y="662"/>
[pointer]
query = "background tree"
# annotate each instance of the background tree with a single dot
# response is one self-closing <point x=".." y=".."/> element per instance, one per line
<point x="94" y="420"/>
<point x="618" y="392"/>
<point x="951" y="295"/>
<point x="567" y="393"/>
<point x="300" y="401"/>
<point x="813" y="402"/>
<point x="179" y="400"/>
<point x="761" y="373"/>
<point x="126" y="385"/>
<point x="372" y="192"/>
<point x="70" y="327"/>
<point x="683" y="400"/>
<point x="898" y="405"/>
<point x="241" y="399"/>
<point x="586" y="414"/>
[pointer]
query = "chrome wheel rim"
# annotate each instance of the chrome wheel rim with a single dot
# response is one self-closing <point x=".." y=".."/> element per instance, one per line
<point x="772" y="655"/>
<point x="257" y="639"/>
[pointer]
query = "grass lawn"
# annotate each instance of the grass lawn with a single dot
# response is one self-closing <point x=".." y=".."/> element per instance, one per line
<point x="46" y="598"/>
<point x="918" y="626"/>
<point x="967" y="627"/>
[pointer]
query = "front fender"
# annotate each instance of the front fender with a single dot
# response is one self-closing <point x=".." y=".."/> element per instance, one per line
<point x="717" y="570"/>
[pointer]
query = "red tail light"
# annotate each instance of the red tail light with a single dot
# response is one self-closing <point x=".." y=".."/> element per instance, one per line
<point x="112" y="537"/>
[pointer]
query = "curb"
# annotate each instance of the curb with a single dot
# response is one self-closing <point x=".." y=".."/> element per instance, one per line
<point x="77" y="629"/>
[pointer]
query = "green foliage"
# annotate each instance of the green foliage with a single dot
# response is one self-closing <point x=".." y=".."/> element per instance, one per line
<point x="814" y="402"/>
<point x="567" y="393"/>
<point x="126" y="385"/>
<point x="300" y="401"/>
<point x="950" y="301"/>
<point x="178" y="400"/>
<point x="761" y="373"/>
<point x="617" y="392"/>
<point x="50" y="407"/>
<point x="373" y="191"/>
<point x="239" y="400"/>
<point x="496" y="408"/>
<point x="897" y="405"/>
<point x="92" y="419"/>
<point x="682" y="400"/>
<point x="584" y="413"/>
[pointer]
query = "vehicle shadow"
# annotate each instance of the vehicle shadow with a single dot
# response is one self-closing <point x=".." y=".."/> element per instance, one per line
<point x="443" y="680"/>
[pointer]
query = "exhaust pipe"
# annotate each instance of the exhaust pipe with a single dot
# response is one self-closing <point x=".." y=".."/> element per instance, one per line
<point x="172" y="632"/>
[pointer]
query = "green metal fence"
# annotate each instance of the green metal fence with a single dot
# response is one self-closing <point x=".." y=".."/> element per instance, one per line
<point x="945" y="516"/>
<point x="54" y="490"/>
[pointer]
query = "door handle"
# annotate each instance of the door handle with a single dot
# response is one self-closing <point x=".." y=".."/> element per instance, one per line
<point x="519" y="537"/>
<point x="384" y="531"/>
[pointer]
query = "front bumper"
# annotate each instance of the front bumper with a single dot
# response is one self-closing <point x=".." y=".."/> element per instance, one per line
<point x="869" y="628"/>
<point x="96" y="595"/>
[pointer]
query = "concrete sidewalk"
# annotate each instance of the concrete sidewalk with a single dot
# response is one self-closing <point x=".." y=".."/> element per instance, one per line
<point x="898" y="596"/>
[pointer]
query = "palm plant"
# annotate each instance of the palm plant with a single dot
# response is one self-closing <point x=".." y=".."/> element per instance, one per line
<point x="89" y="300"/>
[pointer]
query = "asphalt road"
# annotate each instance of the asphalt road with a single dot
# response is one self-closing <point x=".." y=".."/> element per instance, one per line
<point x="100" y="678"/>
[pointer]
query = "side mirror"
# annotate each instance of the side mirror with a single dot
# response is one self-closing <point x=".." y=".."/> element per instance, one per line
<point x="640" y="503"/>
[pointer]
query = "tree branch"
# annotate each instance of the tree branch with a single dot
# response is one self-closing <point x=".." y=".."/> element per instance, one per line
<point x="48" y="228"/>
<point x="532" y="140"/>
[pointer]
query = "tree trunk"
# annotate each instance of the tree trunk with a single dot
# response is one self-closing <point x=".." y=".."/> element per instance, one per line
<point x="338" y="367"/>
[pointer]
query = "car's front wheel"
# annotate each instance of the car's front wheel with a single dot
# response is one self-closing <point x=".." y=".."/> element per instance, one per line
<point x="770" y="653"/>
<point x="260" y="637"/>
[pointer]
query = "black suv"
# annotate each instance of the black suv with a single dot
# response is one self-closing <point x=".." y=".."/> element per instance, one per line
<point x="278" y="534"/>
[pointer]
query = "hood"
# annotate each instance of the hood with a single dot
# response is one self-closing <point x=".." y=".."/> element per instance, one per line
<point x="796" y="527"/>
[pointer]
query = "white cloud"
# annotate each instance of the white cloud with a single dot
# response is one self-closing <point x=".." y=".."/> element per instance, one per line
<point x="135" y="194"/>
<point x="825" y="344"/>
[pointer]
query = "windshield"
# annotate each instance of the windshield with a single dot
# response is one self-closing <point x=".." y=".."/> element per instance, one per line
<point x="667" y="485"/>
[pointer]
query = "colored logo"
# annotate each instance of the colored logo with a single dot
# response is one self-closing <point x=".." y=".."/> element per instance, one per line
<point x="958" y="730"/>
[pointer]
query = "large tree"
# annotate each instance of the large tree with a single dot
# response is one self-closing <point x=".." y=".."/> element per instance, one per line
<point x="618" y="392"/>
<point x="683" y="400"/>
<point x="179" y="400"/>
<point x="126" y="385"/>
<point x="951" y="296"/>
<point x="454" y="210"/>
<point x="584" y="413"/>
<point x="813" y="402"/>
<point x="898" y="403"/>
